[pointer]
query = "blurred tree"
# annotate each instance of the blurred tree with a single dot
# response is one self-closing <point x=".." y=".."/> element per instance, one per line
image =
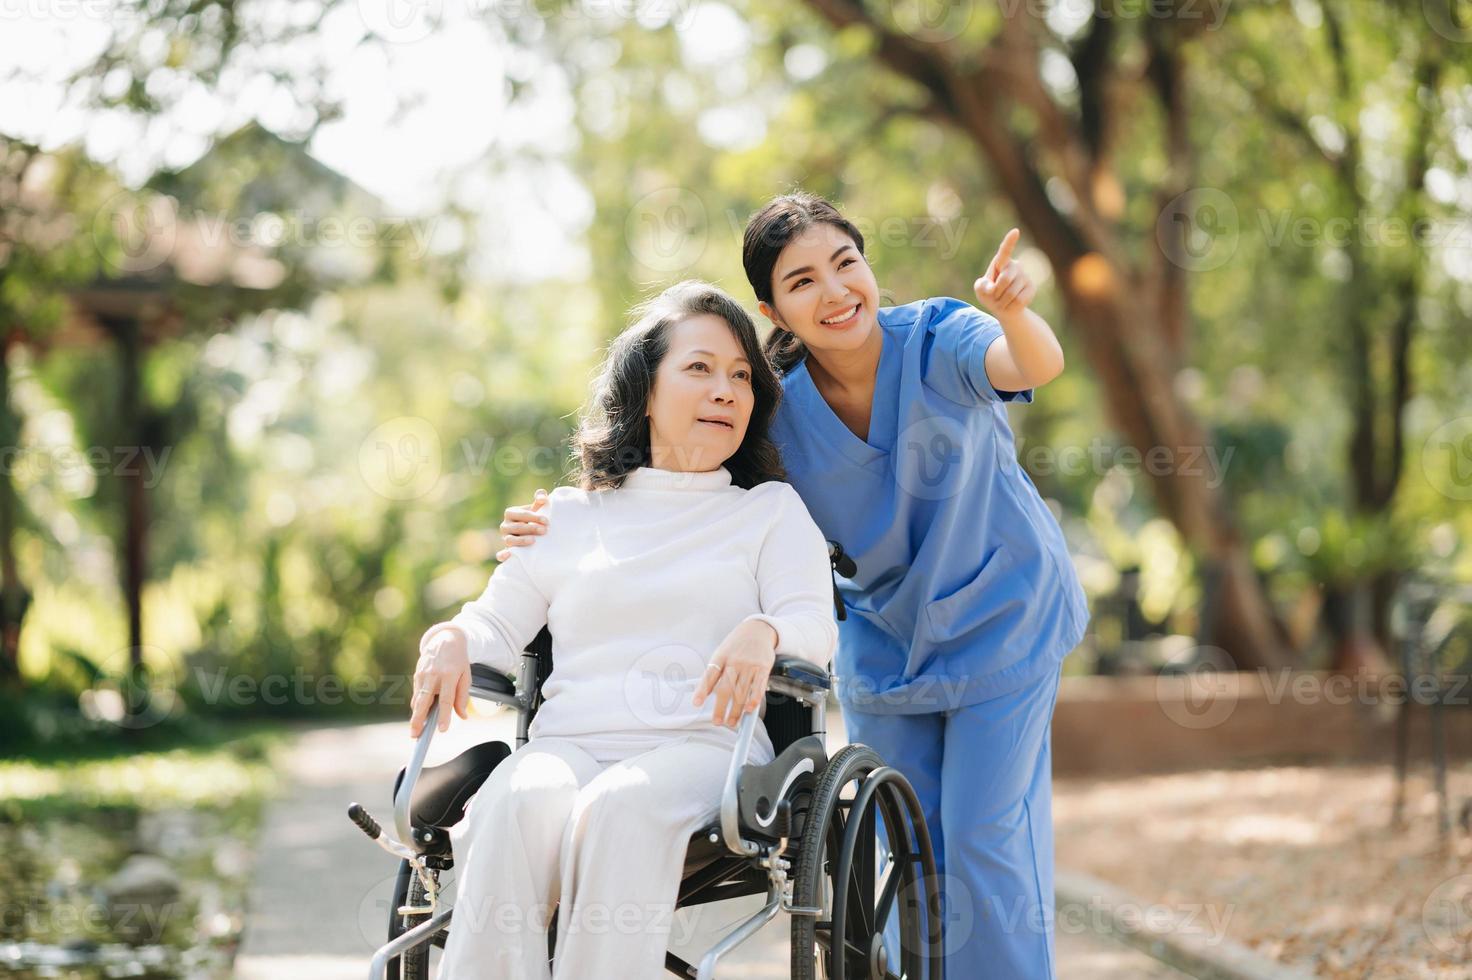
<point x="1089" y="125"/>
<point x="79" y="276"/>
<point x="44" y="198"/>
<point x="1373" y="235"/>
<point x="1061" y="114"/>
<point x="863" y="138"/>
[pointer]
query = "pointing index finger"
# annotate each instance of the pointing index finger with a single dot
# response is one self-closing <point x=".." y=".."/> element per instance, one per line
<point x="1004" y="252"/>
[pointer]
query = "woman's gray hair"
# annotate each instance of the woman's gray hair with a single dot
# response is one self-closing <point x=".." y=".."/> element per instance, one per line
<point x="613" y="434"/>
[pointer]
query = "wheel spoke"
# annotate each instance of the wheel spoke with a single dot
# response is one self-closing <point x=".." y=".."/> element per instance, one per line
<point x="862" y="877"/>
<point x="886" y="896"/>
<point x="859" y="910"/>
<point x="856" y="959"/>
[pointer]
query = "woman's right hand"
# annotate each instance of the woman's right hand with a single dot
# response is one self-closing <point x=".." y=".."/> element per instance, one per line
<point x="443" y="672"/>
<point x="521" y="525"/>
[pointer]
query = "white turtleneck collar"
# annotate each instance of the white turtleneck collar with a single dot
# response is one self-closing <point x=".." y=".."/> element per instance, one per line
<point x="649" y="478"/>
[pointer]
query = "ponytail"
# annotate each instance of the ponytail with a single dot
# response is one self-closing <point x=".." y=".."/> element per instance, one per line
<point x="784" y="350"/>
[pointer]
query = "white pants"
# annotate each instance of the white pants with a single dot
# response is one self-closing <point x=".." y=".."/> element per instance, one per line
<point x="605" y="839"/>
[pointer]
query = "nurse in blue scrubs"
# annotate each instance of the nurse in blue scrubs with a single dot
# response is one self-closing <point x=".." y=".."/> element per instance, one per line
<point x="893" y="430"/>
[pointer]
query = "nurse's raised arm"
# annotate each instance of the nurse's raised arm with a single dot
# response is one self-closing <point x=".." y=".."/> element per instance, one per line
<point x="1028" y="356"/>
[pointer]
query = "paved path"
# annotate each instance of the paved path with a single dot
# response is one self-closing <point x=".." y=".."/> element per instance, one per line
<point x="319" y="897"/>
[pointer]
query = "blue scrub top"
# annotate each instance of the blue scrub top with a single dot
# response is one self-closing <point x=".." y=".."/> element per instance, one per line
<point x="964" y="590"/>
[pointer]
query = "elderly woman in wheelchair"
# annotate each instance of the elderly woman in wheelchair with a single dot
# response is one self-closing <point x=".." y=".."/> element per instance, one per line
<point x="670" y="639"/>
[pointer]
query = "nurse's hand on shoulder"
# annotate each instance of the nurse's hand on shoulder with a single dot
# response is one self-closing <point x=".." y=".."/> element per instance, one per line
<point x="738" y="671"/>
<point x="443" y="672"/>
<point x="1006" y="289"/>
<point x="521" y="525"/>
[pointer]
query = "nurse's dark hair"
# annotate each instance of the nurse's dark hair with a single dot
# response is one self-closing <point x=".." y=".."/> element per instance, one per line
<point x="768" y="231"/>
<point x="612" y="439"/>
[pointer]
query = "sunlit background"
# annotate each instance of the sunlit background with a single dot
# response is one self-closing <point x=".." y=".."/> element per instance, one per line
<point x="298" y="297"/>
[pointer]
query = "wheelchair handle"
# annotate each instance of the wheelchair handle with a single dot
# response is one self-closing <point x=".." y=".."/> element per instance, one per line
<point x="730" y="810"/>
<point x="842" y="563"/>
<point x="365" y="822"/>
<point x="411" y="774"/>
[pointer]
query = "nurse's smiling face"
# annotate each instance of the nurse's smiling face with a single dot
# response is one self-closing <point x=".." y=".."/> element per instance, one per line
<point x="823" y="290"/>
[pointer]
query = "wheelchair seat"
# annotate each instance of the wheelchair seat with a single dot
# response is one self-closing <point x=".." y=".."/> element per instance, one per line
<point x="442" y="791"/>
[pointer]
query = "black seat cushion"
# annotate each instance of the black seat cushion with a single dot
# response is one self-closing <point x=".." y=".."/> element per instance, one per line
<point x="442" y="791"/>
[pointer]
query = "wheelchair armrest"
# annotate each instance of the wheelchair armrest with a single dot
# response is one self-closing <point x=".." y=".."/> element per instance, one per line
<point x="803" y="672"/>
<point x="488" y="682"/>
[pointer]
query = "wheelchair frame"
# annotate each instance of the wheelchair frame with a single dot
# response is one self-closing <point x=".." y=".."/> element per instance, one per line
<point x="748" y="857"/>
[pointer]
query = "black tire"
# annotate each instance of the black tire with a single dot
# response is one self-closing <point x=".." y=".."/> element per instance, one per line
<point x="408" y="890"/>
<point x="834" y="855"/>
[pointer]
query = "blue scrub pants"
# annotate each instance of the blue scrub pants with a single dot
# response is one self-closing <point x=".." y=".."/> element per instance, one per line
<point x="984" y="777"/>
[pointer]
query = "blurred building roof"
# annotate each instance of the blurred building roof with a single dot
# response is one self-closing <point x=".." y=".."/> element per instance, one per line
<point x="238" y="230"/>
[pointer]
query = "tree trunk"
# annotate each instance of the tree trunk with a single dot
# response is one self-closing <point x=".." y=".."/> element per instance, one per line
<point x="1382" y="597"/>
<point x="1347" y="616"/>
<point x="15" y="598"/>
<point x="135" y="504"/>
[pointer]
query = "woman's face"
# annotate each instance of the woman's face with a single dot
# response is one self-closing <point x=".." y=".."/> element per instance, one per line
<point x="823" y="290"/>
<point x="702" y="398"/>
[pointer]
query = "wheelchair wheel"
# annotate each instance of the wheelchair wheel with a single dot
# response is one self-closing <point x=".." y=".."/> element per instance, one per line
<point x="839" y="870"/>
<point x="408" y="890"/>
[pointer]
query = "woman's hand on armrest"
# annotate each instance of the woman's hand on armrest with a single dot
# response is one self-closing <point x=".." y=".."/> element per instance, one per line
<point x="443" y="671"/>
<point x="521" y="525"/>
<point x="738" y="672"/>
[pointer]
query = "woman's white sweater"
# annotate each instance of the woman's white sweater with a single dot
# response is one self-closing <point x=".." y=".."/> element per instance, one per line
<point x="639" y="586"/>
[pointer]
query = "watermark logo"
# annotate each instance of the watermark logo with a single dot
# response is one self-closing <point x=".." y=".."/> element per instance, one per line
<point x="1446" y="458"/>
<point x="135" y="233"/>
<point x="1201" y="696"/>
<point x="1446" y="916"/>
<point x="660" y="685"/>
<point x="1198" y="230"/>
<point x="401" y="21"/>
<point x="931" y="458"/>
<point x="932" y="21"/>
<point x="401" y="459"/>
<point x="133" y="692"/>
<point x="667" y="230"/>
<point x="1452" y="19"/>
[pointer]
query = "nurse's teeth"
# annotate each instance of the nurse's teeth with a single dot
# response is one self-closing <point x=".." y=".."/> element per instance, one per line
<point x="839" y="318"/>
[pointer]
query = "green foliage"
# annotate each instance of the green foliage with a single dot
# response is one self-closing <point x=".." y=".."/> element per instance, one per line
<point x="281" y="544"/>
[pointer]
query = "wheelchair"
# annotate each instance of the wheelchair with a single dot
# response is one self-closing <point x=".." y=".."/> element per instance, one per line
<point x="801" y="829"/>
